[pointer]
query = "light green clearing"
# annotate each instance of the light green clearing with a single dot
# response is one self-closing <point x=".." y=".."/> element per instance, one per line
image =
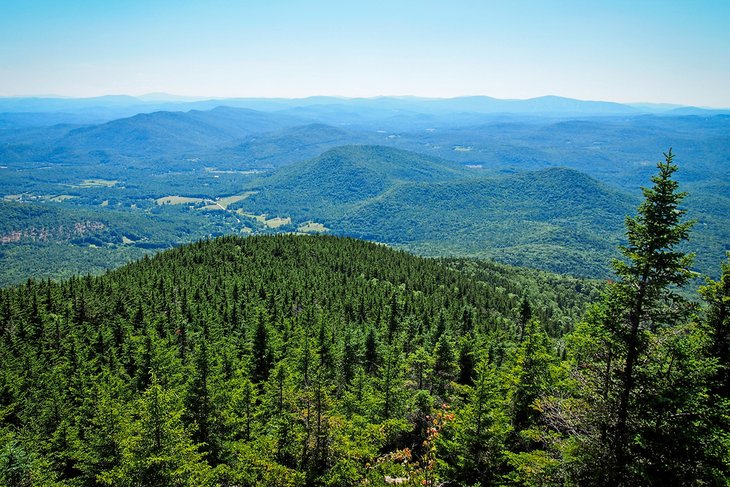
<point x="127" y="240"/>
<point x="218" y="204"/>
<point x="178" y="200"/>
<point x="271" y="223"/>
<point x="461" y="148"/>
<point x="213" y="207"/>
<point x="312" y="227"/>
<point x="224" y="171"/>
<point x="105" y="203"/>
<point x="13" y="197"/>
<point x="229" y="200"/>
<point x="62" y="197"/>
<point x="258" y="218"/>
<point x="277" y="222"/>
<point x="97" y="183"/>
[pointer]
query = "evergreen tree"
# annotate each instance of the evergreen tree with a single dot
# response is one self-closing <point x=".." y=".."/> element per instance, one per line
<point x="717" y="328"/>
<point x="530" y="377"/>
<point x="622" y="355"/>
<point x="444" y="365"/>
<point x="261" y="350"/>
<point x="157" y="451"/>
<point x="655" y="266"/>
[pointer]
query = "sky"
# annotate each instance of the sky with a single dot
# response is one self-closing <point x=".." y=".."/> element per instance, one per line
<point x="668" y="51"/>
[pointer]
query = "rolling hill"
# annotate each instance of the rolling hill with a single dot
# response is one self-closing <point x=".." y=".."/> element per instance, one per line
<point x="328" y="184"/>
<point x="557" y="219"/>
<point x="442" y="182"/>
<point x="173" y="133"/>
<point x="283" y="147"/>
<point x="83" y="358"/>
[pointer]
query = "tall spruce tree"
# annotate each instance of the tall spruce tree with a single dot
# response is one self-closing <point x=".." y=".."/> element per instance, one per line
<point x="623" y="361"/>
<point x="655" y="267"/>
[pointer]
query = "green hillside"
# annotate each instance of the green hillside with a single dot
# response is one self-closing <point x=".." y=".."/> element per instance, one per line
<point x="555" y="219"/>
<point x="317" y="361"/>
<point x="284" y="147"/>
<point x="158" y="135"/>
<point x="440" y="183"/>
<point x="54" y="241"/>
<point x="233" y="341"/>
<point x="328" y="184"/>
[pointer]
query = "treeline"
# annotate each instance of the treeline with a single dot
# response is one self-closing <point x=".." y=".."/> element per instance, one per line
<point x="293" y="360"/>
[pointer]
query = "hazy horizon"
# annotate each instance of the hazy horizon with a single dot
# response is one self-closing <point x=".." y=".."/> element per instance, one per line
<point x="625" y="52"/>
<point x="172" y="97"/>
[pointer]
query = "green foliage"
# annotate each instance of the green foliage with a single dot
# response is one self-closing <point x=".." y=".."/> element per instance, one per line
<point x="635" y="408"/>
<point x="293" y="360"/>
<point x="550" y="217"/>
<point x="287" y="360"/>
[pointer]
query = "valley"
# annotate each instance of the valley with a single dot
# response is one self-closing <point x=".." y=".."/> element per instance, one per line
<point x="544" y="190"/>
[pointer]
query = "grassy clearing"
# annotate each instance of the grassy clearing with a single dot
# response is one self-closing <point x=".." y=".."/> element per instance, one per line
<point x="212" y="207"/>
<point x="258" y="218"/>
<point x="312" y="227"/>
<point x="179" y="200"/>
<point x="275" y="222"/>
<point x="229" y="200"/>
<point x="97" y="183"/>
<point x="62" y="197"/>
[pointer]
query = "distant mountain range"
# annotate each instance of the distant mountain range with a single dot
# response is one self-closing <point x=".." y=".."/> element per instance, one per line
<point x="72" y="110"/>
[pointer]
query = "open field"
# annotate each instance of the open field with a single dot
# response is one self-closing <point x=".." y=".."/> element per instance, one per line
<point x="312" y="227"/>
<point x="97" y="183"/>
<point x="226" y="201"/>
<point x="179" y="200"/>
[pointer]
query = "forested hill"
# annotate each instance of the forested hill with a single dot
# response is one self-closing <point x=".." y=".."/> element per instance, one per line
<point x="256" y="361"/>
<point x="327" y="185"/>
<point x="323" y="361"/>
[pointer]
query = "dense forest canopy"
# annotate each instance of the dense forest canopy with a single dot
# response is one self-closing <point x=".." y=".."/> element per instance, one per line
<point x="313" y="360"/>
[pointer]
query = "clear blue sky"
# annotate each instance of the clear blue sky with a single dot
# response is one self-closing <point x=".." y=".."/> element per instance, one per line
<point x="669" y="51"/>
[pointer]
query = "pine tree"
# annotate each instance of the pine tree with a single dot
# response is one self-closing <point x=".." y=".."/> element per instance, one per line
<point x="482" y="428"/>
<point x="157" y="450"/>
<point x="717" y="449"/>
<point x="261" y="350"/>
<point x="444" y="365"/>
<point x="530" y="375"/>
<point x="623" y="362"/>
<point x="717" y="296"/>
<point x="655" y="265"/>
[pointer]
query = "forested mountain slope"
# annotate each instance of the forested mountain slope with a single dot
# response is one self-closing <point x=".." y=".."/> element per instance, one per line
<point x="286" y="146"/>
<point x="264" y="359"/>
<point x="431" y="179"/>
<point x="556" y="219"/>
<point x="330" y="183"/>
<point x="156" y="136"/>
<point x="317" y="361"/>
